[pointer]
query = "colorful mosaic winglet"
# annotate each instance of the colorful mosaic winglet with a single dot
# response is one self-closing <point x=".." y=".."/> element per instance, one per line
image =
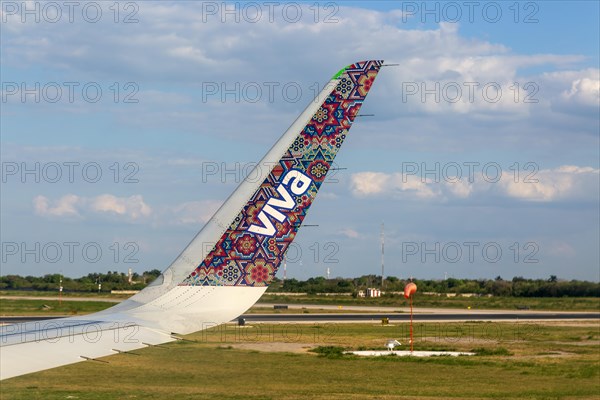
<point x="252" y="248"/>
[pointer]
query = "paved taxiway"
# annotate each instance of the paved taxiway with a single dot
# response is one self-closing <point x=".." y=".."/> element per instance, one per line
<point x="377" y="317"/>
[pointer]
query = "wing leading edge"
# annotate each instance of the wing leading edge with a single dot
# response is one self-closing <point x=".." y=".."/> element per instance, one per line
<point x="229" y="264"/>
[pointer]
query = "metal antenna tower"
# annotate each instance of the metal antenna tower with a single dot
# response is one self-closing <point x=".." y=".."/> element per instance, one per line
<point x="382" y="254"/>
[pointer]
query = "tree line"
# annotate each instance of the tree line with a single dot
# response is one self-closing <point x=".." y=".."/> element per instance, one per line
<point x="94" y="282"/>
<point x="516" y="287"/>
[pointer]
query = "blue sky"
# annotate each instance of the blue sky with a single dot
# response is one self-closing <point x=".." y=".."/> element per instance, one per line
<point x="185" y="108"/>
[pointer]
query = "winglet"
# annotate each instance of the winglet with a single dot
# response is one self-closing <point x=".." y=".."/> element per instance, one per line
<point x="250" y="251"/>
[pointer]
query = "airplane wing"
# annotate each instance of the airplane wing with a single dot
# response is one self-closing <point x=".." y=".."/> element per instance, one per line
<point x="227" y="267"/>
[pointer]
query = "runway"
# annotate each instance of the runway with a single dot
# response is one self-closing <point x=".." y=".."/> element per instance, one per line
<point x="377" y="317"/>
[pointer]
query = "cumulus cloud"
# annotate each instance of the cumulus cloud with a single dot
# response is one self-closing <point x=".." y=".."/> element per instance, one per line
<point x="461" y="189"/>
<point x="349" y="233"/>
<point x="420" y="188"/>
<point x="565" y="183"/>
<point x="573" y="92"/>
<point x="173" y="43"/>
<point x="374" y="183"/>
<point x="66" y="206"/>
<point x="368" y="183"/>
<point x="133" y="208"/>
<point x="584" y="91"/>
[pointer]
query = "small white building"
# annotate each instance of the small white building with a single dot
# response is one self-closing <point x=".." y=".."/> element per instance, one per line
<point x="373" y="292"/>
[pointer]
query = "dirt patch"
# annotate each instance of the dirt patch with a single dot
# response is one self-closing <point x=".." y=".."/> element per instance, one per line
<point x="456" y="340"/>
<point x="580" y="343"/>
<point x="275" y="347"/>
<point x="551" y="354"/>
<point x="576" y="324"/>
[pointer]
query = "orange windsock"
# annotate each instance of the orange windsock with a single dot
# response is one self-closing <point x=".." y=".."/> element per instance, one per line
<point x="410" y="289"/>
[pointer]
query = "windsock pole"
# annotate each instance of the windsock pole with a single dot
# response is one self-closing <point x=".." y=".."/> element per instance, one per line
<point x="409" y="290"/>
<point x="411" y="325"/>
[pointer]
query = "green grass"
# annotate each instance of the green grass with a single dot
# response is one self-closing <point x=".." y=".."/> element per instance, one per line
<point x="329" y="351"/>
<point x="495" y="351"/>
<point x="46" y="293"/>
<point x="214" y="367"/>
<point x="50" y="307"/>
<point x="508" y="303"/>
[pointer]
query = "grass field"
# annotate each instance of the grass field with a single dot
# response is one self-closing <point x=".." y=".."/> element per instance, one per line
<point x="27" y="306"/>
<point x="516" y="361"/>
<point x="504" y="303"/>
<point x="50" y="307"/>
<point x="32" y="293"/>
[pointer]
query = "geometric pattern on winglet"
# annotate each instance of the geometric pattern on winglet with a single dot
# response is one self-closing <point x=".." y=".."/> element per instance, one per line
<point x="252" y="248"/>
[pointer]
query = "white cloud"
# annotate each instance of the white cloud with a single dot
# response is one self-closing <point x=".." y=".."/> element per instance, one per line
<point x="420" y="188"/>
<point x="133" y="208"/>
<point x="374" y="183"/>
<point x="66" y="206"/>
<point x="190" y="53"/>
<point x="349" y="233"/>
<point x="584" y="91"/>
<point x="368" y="183"/>
<point x="461" y="189"/>
<point x="572" y="92"/>
<point x="565" y="183"/>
